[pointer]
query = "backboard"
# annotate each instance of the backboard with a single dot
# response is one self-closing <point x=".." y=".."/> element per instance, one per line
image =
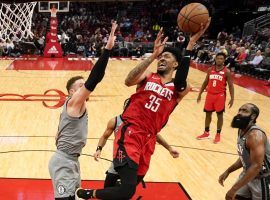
<point x="61" y="6"/>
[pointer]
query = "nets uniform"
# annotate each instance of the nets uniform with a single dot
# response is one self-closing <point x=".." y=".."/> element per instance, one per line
<point x="64" y="166"/>
<point x="118" y="122"/>
<point x="216" y="90"/>
<point x="147" y="112"/>
<point x="258" y="188"/>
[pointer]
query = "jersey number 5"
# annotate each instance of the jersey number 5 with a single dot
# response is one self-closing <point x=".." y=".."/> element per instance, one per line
<point x="153" y="104"/>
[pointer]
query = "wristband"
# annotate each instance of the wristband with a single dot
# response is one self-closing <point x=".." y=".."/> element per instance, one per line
<point x="99" y="148"/>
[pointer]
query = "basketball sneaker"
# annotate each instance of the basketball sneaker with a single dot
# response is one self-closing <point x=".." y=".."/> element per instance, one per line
<point x="217" y="139"/>
<point x="205" y="135"/>
<point x="81" y="194"/>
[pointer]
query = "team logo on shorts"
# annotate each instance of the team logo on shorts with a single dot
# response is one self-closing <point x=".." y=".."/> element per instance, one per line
<point x="61" y="189"/>
<point x="120" y="155"/>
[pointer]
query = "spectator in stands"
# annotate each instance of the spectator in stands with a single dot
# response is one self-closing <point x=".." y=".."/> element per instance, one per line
<point x="92" y="51"/>
<point x="16" y="51"/>
<point x="266" y="59"/>
<point x="2" y="46"/>
<point x="223" y="50"/>
<point x="222" y="36"/>
<point x="248" y="68"/>
<point x="9" y="46"/>
<point x="257" y="59"/>
<point x="242" y="56"/>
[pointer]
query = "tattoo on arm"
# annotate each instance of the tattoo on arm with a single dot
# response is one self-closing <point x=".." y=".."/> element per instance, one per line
<point x="138" y="70"/>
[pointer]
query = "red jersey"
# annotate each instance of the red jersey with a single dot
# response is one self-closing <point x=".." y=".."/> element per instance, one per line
<point x="150" y="107"/>
<point x="217" y="81"/>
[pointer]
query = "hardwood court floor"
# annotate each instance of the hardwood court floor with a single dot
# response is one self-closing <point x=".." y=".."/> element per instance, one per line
<point x="27" y="129"/>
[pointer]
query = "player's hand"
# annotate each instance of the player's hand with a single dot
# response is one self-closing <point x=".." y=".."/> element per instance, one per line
<point x="230" y="195"/>
<point x="174" y="153"/>
<point x="199" y="99"/>
<point x="97" y="155"/>
<point x="230" y="104"/>
<point x="159" y="44"/>
<point x="195" y="37"/>
<point x="111" y="39"/>
<point x="223" y="177"/>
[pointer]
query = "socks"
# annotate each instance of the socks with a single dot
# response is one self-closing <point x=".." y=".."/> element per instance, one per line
<point x="206" y="129"/>
<point x="218" y="131"/>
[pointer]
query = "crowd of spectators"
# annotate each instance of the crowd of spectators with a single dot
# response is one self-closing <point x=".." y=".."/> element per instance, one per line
<point x="84" y="31"/>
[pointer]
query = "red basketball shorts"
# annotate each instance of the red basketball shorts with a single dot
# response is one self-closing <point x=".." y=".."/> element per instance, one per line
<point x="215" y="102"/>
<point x="134" y="147"/>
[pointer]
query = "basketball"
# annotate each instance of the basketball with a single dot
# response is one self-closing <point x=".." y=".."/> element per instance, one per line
<point x="191" y="17"/>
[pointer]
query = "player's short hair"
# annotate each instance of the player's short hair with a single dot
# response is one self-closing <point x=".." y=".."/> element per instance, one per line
<point x="255" y="110"/>
<point x="71" y="81"/>
<point x="176" y="52"/>
<point x="221" y="54"/>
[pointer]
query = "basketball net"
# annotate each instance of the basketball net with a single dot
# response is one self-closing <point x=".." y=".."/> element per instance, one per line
<point x="16" y="20"/>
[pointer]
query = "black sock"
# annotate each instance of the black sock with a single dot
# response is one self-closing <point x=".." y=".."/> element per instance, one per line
<point x="218" y="131"/>
<point x="85" y="194"/>
<point x="206" y="129"/>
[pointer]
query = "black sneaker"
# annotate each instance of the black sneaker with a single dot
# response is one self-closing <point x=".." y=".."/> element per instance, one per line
<point x="82" y="194"/>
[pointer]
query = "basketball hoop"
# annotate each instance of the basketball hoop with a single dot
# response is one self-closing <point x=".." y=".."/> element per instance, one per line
<point x="16" y="20"/>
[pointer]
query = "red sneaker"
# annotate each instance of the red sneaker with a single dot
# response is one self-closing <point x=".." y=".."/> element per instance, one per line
<point x="205" y="135"/>
<point x="217" y="139"/>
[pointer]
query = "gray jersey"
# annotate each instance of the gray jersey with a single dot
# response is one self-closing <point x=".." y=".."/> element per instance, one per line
<point x="244" y="154"/>
<point x="72" y="132"/>
<point x="118" y="122"/>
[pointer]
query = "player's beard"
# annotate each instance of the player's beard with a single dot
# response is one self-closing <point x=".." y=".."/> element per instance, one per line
<point x="240" y="122"/>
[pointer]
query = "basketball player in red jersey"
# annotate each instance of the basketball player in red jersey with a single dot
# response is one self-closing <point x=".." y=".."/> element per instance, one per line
<point x="147" y="112"/>
<point x="216" y="80"/>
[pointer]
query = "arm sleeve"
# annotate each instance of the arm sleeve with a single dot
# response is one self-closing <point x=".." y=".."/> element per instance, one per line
<point x="98" y="71"/>
<point x="180" y="82"/>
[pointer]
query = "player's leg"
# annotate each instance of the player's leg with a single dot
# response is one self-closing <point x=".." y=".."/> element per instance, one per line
<point x="206" y="133"/>
<point x="208" y="109"/>
<point x="244" y="192"/>
<point x="127" y="152"/>
<point x="145" y="160"/>
<point x="111" y="179"/>
<point x="259" y="188"/>
<point x="220" y="108"/>
<point x="237" y="197"/>
<point x="219" y="126"/>
<point x="126" y="189"/>
<point x="64" y="182"/>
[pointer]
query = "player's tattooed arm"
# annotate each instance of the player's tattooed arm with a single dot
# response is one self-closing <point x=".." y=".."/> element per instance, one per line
<point x="139" y="73"/>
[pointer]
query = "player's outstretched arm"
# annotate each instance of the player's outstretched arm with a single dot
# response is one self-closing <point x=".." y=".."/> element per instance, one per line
<point x="103" y="139"/>
<point x="96" y="75"/>
<point x="180" y="82"/>
<point x="139" y="73"/>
